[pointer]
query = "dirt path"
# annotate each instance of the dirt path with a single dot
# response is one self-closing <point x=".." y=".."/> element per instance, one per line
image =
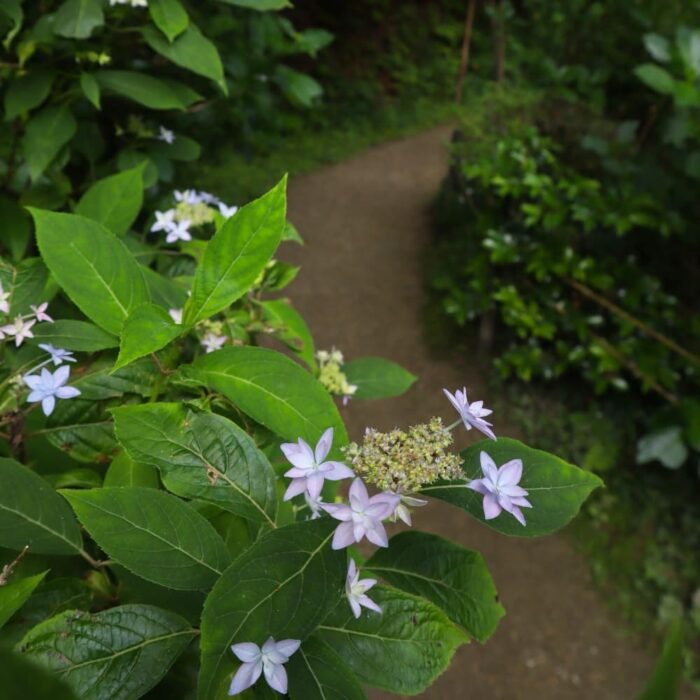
<point x="366" y="225"/>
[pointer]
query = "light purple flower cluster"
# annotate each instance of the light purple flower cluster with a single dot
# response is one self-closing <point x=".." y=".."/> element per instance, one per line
<point x="472" y="414"/>
<point x="21" y="327"/>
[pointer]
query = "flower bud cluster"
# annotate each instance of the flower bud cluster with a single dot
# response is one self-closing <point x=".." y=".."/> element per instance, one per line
<point x="403" y="461"/>
<point x="331" y="374"/>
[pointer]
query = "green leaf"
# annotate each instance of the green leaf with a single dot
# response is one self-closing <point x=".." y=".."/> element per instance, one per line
<point x="32" y="514"/>
<point x="119" y="653"/>
<point x="163" y="290"/>
<point x="665" y="445"/>
<point x="28" y="92"/>
<point x="291" y="328"/>
<point x="169" y="16"/>
<point x="377" y="378"/>
<point x="200" y="456"/>
<point x="76" y="19"/>
<point x="316" y="672"/>
<point x="91" y="89"/>
<point x="140" y="88"/>
<point x="192" y="51"/>
<point x="147" y="329"/>
<point x="655" y="77"/>
<point x="658" y="46"/>
<point x="44" y="686"/>
<point x="237" y="254"/>
<point x="260" y="5"/>
<point x="12" y="9"/>
<point x="74" y="335"/>
<point x="14" y="594"/>
<point x="282" y="586"/>
<point x="183" y="149"/>
<point x="115" y="201"/>
<point x="665" y="682"/>
<point x="556" y="489"/>
<point x="94" y="268"/>
<point x="45" y="135"/>
<point x="29" y="282"/>
<point x="403" y="650"/>
<point x="124" y="471"/>
<point x="17" y="228"/>
<point x="272" y="389"/>
<point x="155" y="535"/>
<point x="454" y="578"/>
<point x="299" y="88"/>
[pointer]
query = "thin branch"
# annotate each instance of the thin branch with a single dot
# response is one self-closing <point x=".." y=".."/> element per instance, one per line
<point x="466" y="45"/>
<point x="9" y="568"/>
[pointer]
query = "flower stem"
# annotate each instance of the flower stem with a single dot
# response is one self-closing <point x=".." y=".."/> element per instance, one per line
<point x="452" y="426"/>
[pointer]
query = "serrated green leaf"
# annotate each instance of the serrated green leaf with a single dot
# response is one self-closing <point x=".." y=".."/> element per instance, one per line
<point x="76" y="19"/>
<point x="169" y="16"/>
<point x="445" y="573"/>
<point x="45" y="135"/>
<point x="114" y="201"/>
<point x="555" y="488"/>
<point x="94" y="268"/>
<point x="377" y="378"/>
<point x="28" y="92"/>
<point x="119" y="653"/>
<point x="291" y="328"/>
<point x="28" y="283"/>
<point x="237" y="254"/>
<point x="200" y="456"/>
<point x="32" y="514"/>
<point x="140" y="88"/>
<point x="14" y="594"/>
<point x="155" y="535"/>
<point x="124" y="471"/>
<point x="403" y="650"/>
<point x="272" y="389"/>
<point x="282" y="586"/>
<point x="74" y="335"/>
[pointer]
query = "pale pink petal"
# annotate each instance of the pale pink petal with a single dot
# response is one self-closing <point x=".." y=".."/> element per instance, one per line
<point x="352" y="571"/>
<point x="491" y="508"/>
<point x="479" y="485"/>
<point x="276" y="678"/>
<point x="314" y="484"/>
<point x="369" y="603"/>
<point x="247" y="652"/>
<point x="488" y="467"/>
<point x="521" y="502"/>
<point x="31" y="380"/>
<point x="288" y="646"/>
<point x="60" y="376"/>
<point x="246" y="676"/>
<point x="67" y="392"/>
<point x="510" y="473"/>
<point x="453" y="401"/>
<point x="518" y="515"/>
<point x="339" y="511"/>
<point x="343" y="536"/>
<point x="47" y="405"/>
<point x="356" y="609"/>
<point x="513" y="491"/>
<point x="377" y="535"/>
<point x="37" y="395"/>
<point x="323" y="446"/>
<point x="337" y="471"/>
<point x="296" y="487"/>
<point x="358" y="492"/>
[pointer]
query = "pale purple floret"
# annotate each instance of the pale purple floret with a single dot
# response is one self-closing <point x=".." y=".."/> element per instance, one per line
<point x="356" y="591"/>
<point x="268" y="660"/>
<point x="500" y="489"/>
<point x="58" y="355"/>
<point x="309" y="469"/>
<point x="362" y="517"/>
<point x="472" y="414"/>
<point x="47" y="387"/>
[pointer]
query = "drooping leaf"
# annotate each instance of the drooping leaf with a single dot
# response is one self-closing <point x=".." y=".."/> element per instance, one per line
<point x="94" y="268"/>
<point x="282" y="586"/>
<point x="119" y="653"/>
<point x="141" y="88"/>
<point x="14" y="594"/>
<point x="77" y="19"/>
<point x="656" y="78"/>
<point x="299" y="88"/>
<point x="45" y="135"/>
<point x="169" y="16"/>
<point x="555" y="488"/>
<point x="665" y="681"/>
<point x="28" y="92"/>
<point x="33" y="514"/>
<point x="114" y="201"/>
<point x="16" y="671"/>
<point x="403" y="650"/>
<point x="272" y="389"/>
<point x="17" y="228"/>
<point x="291" y="328"/>
<point x="237" y="254"/>
<point x="91" y="89"/>
<point x="155" y="535"/>
<point x="454" y="578"/>
<point x="316" y="672"/>
<point x="658" y="47"/>
<point x="377" y="378"/>
<point x="124" y="471"/>
<point x="74" y="335"/>
<point x="260" y="5"/>
<point x="200" y="456"/>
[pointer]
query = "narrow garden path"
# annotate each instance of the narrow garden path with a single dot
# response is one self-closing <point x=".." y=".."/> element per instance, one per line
<point x="366" y="224"/>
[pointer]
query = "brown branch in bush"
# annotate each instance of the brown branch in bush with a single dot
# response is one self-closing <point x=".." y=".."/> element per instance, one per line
<point x="466" y="45"/>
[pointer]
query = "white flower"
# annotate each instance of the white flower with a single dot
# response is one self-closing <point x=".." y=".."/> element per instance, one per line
<point x="176" y="315"/>
<point x="187" y="196"/>
<point x="356" y="590"/>
<point x="20" y="329"/>
<point x="4" y="304"/>
<point x="268" y="660"/>
<point x="315" y="505"/>
<point x="473" y="414"/>
<point x="40" y="312"/>
<point x="166" y="135"/>
<point x="402" y="511"/>
<point x="133" y="3"/>
<point x="212" y="342"/>
<point x="179" y="232"/>
<point x="227" y="212"/>
<point x="208" y="198"/>
<point x="48" y="387"/>
<point x="309" y="468"/>
<point x="165" y="220"/>
<point x="57" y="354"/>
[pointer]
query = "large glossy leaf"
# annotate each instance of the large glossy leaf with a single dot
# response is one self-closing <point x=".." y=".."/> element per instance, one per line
<point x="237" y="254"/>
<point x="24" y="679"/>
<point x="33" y="514"/>
<point x="200" y="456"/>
<point x="316" y="672"/>
<point x="377" y="378"/>
<point x="291" y="328"/>
<point x="74" y="335"/>
<point x="124" y="471"/>
<point x="556" y="489"/>
<point x="44" y="136"/>
<point x="272" y="389"/>
<point x="15" y="593"/>
<point x="76" y="19"/>
<point x="282" y="586"/>
<point x="403" y="650"/>
<point x="114" y="201"/>
<point x="94" y="268"/>
<point x="454" y="578"/>
<point x="169" y="16"/>
<point x="191" y="50"/>
<point x="25" y="93"/>
<point x="27" y="283"/>
<point x="119" y="653"/>
<point x="155" y="535"/>
<point x="141" y="88"/>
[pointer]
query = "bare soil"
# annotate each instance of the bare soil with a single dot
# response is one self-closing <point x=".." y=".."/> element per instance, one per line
<point x="366" y="223"/>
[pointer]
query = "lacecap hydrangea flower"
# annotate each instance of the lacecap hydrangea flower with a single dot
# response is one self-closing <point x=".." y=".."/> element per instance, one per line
<point x="268" y="659"/>
<point x="472" y="414"/>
